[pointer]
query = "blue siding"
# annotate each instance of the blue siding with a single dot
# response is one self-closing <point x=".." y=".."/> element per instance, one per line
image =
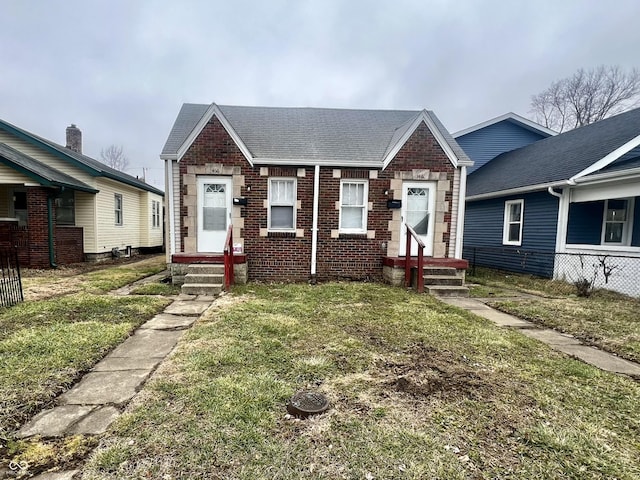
<point x="584" y="225"/>
<point x="483" y="229"/>
<point x="486" y="143"/>
<point x="635" y="236"/>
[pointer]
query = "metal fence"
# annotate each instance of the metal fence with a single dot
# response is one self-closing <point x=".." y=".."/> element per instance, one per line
<point x="620" y="273"/>
<point x="10" y="281"/>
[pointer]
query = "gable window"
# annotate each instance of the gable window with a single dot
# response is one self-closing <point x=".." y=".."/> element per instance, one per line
<point x="118" y="208"/>
<point x="616" y="229"/>
<point x="282" y="204"/>
<point x="65" y="208"/>
<point x="353" y="206"/>
<point x="512" y="228"/>
<point x="155" y="214"/>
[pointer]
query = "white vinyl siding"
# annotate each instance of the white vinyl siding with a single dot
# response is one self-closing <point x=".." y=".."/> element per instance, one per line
<point x="513" y="222"/>
<point x="86" y="218"/>
<point x="9" y="175"/>
<point x="121" y="236"/>
<point x="353" y="206"/>
<point x="150" y="236"/>
<point x="48" y="158"/>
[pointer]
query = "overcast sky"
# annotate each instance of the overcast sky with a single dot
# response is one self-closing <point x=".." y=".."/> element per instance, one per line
<point x="121" y="69"/>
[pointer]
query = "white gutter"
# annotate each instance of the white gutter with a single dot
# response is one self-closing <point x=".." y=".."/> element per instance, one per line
<point x="169" y="187"/>
<point x="314" y="228"/>
<point x="554" y="193"/>
<point x="518" y="190"/>
<point x="461" y="207"/>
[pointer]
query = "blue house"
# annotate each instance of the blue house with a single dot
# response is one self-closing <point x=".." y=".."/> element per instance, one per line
<point x="563" y="206"/>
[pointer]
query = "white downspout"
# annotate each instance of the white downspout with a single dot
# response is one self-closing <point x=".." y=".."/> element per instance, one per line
<point x="170" y="207"/>
<point x="461" y="206"/>
<point x="314" y="228"/>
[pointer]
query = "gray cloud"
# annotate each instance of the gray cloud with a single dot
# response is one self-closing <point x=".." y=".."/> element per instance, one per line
<point x="120" y="70"/>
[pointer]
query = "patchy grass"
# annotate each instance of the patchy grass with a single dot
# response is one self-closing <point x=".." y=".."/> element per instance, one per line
<point x="495" y="279"/>
<point x="606" y="319"/>
<point x="45" y="346"/>
<point x="89" y="278"/>
<point x="417" y="389"/>
<point x="157" y="288"/>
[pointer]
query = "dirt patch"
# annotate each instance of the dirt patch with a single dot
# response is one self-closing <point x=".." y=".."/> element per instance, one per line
<point x="425" y="371"/>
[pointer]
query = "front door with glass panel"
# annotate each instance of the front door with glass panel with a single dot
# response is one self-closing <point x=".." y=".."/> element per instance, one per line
<point x="214" y="212"/>
<point x="418" y="210"/>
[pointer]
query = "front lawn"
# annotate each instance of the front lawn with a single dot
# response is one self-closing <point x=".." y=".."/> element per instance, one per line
<point x="418" y="390"/>
<point x="606" y="319"/>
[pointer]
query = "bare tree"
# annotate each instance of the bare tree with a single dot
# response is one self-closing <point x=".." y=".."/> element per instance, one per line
<point x="586" y="97"/>
<point x="114" y="157"/>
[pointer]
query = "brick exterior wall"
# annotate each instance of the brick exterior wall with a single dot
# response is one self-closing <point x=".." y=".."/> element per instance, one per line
<point x="32" y="241"/>
<point x="69" y="244"/>
<point x="37" y="227"/>
<point x="287" y="256"/>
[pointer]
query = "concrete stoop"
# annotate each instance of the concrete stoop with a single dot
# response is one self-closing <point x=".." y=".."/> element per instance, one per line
<point x="444" y="282"/>
<point x="203" y="279"/>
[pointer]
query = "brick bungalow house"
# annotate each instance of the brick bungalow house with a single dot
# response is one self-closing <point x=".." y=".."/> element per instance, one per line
<point x="312" y="193"/>
<point x="58" y="206"/>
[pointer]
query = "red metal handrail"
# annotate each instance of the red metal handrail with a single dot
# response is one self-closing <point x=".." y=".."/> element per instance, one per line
<point x="228" y="259"/>
<point x="411" y="234"/>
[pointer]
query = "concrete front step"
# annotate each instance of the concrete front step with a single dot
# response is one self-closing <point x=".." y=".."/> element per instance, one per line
<point x="448" y="271"/>
<point x="201" y="289"/>
<point x="447" y="290"/>
<point x="209" y="278"/>
<point x="206" y="269"/>
<point x="442" y="280"/>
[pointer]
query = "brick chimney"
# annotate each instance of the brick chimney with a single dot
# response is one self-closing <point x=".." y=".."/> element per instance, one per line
<point x="74" y="138"/>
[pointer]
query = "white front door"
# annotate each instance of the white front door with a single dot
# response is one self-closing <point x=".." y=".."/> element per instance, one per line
<point x="214" y="212"/>
<point x="418" y="210"/>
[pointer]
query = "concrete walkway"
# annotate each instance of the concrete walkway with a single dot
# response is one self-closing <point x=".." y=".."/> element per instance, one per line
<point x="558" y="341"/>
<point x="100" y="396"/>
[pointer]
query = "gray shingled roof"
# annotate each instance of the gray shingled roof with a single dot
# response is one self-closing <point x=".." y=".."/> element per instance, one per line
<point x="336" y="136"/>
<point x="43" y="173"/>
<point x="557" y="158"/>
<point x="98" y="168"/>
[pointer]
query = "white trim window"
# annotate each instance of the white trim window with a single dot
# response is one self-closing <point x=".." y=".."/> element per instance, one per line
<point x="282" y="204"/>
<point x="353" y="206"/>
<point x="616" y="221"/>
<point x="117" y="200"/>
<point x="513" y="222"/>
<point x="155" y="214"/>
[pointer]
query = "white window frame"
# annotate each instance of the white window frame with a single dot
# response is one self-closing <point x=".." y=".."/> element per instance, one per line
<point x="155" y="214"/>
<point x="283" y="204"/>
<point x="118" y="211"/>
<point x="364" y="206"/>
<point x="507" y="222"/>
<point x="627" y="225"/>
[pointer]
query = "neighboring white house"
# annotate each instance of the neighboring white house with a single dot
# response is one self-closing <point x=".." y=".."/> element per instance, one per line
<point x="60" y="206"/>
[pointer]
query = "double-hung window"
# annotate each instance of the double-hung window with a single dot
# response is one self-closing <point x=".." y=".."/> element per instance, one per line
<point x="118" y="208"/>
<point x="615" y="230"/>
<point x="282" y="204"/>
<point x="353" y="206"/>
<point x="155" y="213"/>
<point x="512" y="229"/>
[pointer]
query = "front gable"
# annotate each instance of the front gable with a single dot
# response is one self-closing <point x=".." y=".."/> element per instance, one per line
<point x="488" y="142"/>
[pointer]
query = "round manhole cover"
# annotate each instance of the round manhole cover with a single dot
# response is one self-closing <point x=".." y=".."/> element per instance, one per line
<point x="303" y="404"/>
